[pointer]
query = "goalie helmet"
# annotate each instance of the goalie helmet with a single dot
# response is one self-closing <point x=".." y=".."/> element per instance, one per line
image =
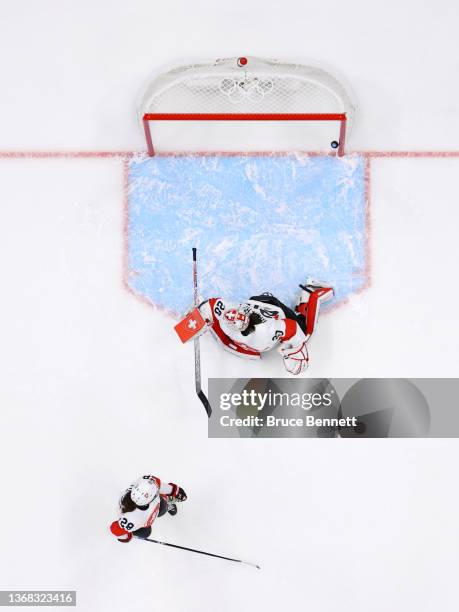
<point x="144" y="490"/>
<point x="238" y="318"/>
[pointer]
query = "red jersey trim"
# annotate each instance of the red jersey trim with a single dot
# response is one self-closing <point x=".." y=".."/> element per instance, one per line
<point x="290" y="330"/>
<point x="153" y="515"/>
<point x="157" y="481"/>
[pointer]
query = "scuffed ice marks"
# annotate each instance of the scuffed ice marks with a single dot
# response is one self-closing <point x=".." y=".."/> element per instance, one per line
<point x="261" y="223"/>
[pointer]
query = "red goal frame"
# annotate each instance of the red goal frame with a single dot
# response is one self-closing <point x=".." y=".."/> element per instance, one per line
<point x="341" y="117"/>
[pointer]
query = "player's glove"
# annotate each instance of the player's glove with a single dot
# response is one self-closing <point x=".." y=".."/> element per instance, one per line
<point x="125" y="538"/>
<point x="121" y="534"/>
<point x="295" y="359"/>
<point x="178" y="493"/>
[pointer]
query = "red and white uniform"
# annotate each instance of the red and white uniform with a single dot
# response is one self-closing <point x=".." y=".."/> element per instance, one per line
<point x="129" y="522"/>
<point x="275" y="330"/>
<point x="260" y="324"/>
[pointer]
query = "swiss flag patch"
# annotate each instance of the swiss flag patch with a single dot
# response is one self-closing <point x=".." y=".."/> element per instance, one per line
<point x="191" y="326"/>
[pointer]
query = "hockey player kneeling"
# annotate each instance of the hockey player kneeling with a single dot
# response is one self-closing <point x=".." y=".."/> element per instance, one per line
<point x="145" y="500"/>
<point x="261" y="324"/>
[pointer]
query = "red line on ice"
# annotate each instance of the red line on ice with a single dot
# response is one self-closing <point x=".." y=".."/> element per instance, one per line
<point x="68" y="154"/>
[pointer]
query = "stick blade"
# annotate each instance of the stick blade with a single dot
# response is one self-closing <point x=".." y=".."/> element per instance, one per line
<point x="251" y="564"/>
<point x="205" y="402"/>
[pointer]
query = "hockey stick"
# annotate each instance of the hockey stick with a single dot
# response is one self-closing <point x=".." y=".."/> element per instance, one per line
<point x="200" y="552"/>
<point x="197" y="351"/>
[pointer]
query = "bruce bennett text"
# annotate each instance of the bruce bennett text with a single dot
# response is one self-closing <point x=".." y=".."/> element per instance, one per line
<point x="272" y="421"/>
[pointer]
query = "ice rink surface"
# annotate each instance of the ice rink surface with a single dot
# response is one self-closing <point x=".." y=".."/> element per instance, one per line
<point x="95" y="389"/>
<point x="249" y="217"/>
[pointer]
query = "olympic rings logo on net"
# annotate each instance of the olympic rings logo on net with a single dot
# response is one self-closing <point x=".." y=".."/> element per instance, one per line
<point x="253" y="89"/>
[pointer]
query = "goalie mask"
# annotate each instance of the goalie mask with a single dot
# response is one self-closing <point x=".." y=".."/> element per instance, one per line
<point x="238" y="319"/>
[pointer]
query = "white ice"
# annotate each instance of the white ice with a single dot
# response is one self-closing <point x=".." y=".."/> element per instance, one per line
<point x="94" y="387"/>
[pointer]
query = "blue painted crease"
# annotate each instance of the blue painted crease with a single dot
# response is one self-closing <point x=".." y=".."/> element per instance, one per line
<point x="260" y="223"/>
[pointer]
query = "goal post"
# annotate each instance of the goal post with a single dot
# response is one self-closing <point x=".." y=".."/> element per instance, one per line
<point x="242" y="91"/>
<point x="341" y="117"/>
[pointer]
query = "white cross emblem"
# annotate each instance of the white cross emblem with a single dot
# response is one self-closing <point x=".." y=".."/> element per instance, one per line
<point x="192" y="324"/>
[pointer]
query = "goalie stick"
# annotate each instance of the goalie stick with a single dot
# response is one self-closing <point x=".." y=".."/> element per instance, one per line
<point x="197" y="350"/>
<point x="200" y="552"/>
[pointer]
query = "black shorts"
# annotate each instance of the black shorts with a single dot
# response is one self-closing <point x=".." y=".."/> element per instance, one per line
<point x="162" y="506"/>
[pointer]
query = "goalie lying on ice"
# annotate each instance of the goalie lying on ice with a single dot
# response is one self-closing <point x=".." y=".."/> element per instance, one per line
<point x="261" y="324"/>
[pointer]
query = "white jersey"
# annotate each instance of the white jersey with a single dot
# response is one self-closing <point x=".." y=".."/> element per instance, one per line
<point x="275" y="328"/>
<point x="138" y="518"/>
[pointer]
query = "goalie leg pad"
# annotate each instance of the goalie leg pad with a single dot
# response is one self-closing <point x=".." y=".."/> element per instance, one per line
<point x="312" y="295"/>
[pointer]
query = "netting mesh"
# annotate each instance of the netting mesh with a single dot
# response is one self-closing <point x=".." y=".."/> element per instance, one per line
<point x="261" y="86"/>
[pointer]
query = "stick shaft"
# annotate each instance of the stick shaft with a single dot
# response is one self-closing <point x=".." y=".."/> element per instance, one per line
<point x="195" y="276"/>
<point x="199" y="552"/>
<point x="197" y="350"/>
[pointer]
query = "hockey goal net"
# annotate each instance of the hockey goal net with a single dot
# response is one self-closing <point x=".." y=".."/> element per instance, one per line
<point x="227" y="105"/>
